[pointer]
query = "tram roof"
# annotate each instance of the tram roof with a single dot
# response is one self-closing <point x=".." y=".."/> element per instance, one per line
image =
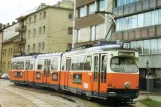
<point x="49" y="55"/>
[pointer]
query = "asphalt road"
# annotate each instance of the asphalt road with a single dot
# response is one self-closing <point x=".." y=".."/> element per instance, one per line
<point x="24" y="96"/>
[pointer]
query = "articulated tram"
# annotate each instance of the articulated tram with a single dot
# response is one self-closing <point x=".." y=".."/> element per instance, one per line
<point x="105" y="71"/>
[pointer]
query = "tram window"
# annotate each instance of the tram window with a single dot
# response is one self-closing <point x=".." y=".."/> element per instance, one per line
<point x="74" y="63"/>
<point x="54" y="64"/>
<point x="87" y="64"/>
<point x="27" y="65"/>
<point x="31" y="65"/>
<point x="96" y="68"/>
<point x="63" y="65"/>
<point x="81" y="62"/>
<point x="14" y="65"/>
<point x="40" y="64"/>
<point x="103" y="68"/>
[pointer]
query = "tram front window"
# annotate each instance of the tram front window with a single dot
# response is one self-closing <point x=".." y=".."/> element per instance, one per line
<point x="124" y="64"/>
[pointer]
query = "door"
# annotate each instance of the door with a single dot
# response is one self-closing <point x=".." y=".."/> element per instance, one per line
<point x="68" y="64"/>
<point x="46" y="71"/>
<point x="99" y="73"/>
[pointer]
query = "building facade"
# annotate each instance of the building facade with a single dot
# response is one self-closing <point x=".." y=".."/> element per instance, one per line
<point x="139" y="22"/>
<point x="10" y="48"/>
<point x="48" y="29"/>
<point x="88" y="26"/>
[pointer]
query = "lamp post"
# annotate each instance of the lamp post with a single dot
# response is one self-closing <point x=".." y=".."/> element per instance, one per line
<point x="147" y="63"/>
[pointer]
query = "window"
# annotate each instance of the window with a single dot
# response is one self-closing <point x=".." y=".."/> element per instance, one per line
<point x="87" y="64"/>
<point x="140" y="20"/>
<point x="92" y="8"/>
<point x="35" y="19"/>
<point x="11" y="51"/>
<point x="153" y="47"/>
<point x="44" y="15"/>
<point x="43" y="29"/>
<point x="70" y="30"/>
<point x="54" y="64"/>
<point x="96" y="68"/>
<point x="39" y="48"/>
<point x="103" y="68"/>
<point x="134" y="21"/>
<point x="34" y="33"/>
<point x="43" y="45"/>
<point x="139" y="46"/>
<point x="39" y="30"/>
<point x="29" y="32"/>
<point x="28" y="48"/>
<point x="124" y="64"/>
<point x="159" y="14"/>
<point x="33" y="47"/>
<point x="31" y="65"/>
<point x="102" y="5"/>
<point x="93" y="33"/>
<point x="70" y="15"/>
<point x="147" y="19"/>
<point x="82" y="11"/>
<point x="29" y="20"/>
<point x="40" y="64"/>
<point x="159" y="46"/>
<point x="146" y="47"/>
<point x="40" y="16"/>
<point x="27" y="64"/>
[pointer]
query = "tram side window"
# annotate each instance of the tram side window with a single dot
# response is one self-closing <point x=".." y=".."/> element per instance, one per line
<point x="87" y="64"/>
<point x="18" y="65"/>
<point x="96" y="68"/>
<point x="40" y="64"/>
<point x="32" y="65"/>
<point x="63" y="65"/>
<point x="103" y="68"/>
<point x="27" y="65"/>
<point x="54" y="64"/>
<point x="74" y="63"/>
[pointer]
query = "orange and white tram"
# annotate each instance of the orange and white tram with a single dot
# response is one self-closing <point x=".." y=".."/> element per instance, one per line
<point x="107" y="71"/>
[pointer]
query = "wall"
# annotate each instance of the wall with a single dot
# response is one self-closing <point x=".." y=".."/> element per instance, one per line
<point x="58" y="37"/>
<point x="10" y="32"/>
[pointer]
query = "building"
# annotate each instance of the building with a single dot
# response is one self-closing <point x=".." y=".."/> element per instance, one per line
<point x="139" y="21"/>
<point x="88" y="26"/>
<point x="48" y="29"/>
<point x="10" y="49"/>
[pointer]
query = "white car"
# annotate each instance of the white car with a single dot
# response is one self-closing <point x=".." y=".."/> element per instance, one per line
<point x="5" y="76"/>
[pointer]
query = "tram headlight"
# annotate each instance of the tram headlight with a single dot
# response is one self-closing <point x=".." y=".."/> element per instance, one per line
<point x="127" y="85"/>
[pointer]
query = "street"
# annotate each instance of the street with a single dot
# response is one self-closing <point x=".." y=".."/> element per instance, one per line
<point x="23" y="96"/>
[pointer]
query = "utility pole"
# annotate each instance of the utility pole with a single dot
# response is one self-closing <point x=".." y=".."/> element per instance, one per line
<point x="147" y="63"/>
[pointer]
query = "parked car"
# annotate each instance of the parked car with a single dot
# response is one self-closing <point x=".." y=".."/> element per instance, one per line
<point x="4" y="76"/>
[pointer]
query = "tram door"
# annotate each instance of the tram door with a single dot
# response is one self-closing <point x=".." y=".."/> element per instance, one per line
<point x="46" y="71"/>
<point x="68" y="65"/>
<point x="97" y="80"/>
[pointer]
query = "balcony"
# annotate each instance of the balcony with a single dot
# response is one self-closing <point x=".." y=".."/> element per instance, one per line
<point x="20" y="28"/>
<point x="20" y="40"/>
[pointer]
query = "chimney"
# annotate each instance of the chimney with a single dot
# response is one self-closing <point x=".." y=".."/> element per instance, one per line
<point x="4" y="26"/>
<point x="8" y="24"/>
<point x="13" y="23"/>
<point x="0" y="26"/>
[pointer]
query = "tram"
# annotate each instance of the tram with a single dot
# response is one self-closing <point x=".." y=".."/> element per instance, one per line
<point x="104" y="71"/>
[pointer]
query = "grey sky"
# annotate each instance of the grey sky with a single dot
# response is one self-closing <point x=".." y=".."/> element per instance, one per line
<point x="11" y="9"/>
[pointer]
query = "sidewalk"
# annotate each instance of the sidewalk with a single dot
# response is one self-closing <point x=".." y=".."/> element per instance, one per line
<point x="143" y="95"/>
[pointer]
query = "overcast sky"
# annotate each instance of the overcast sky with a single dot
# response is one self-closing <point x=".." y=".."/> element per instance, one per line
<point x="11" y="9"/>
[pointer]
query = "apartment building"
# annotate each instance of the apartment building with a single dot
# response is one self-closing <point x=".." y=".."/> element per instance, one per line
<point x="48" y="29"/>
<point x="10" y="43"/>
<point x="139" y="22"/>
<point x="88" y="26"/>
<point x="11" y="48"/>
